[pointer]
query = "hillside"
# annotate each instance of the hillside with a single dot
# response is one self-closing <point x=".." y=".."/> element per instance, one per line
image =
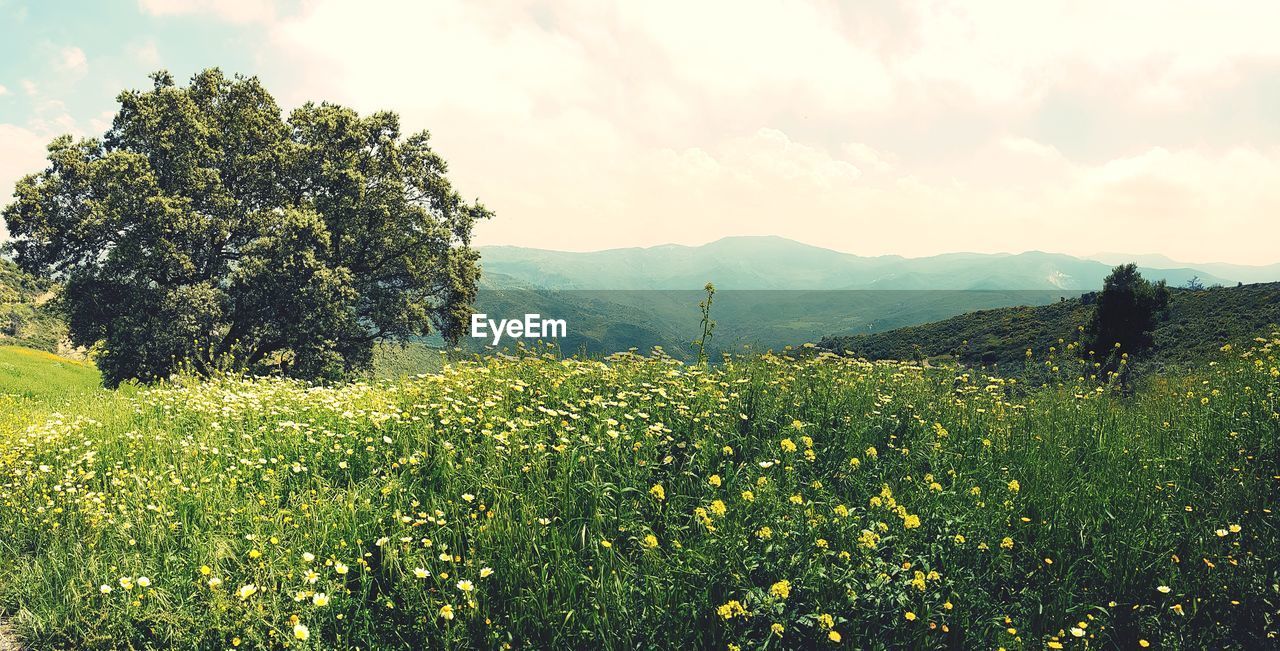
<point x="41" y="376"/>
<point x="22" y="320"/>
<point x="1196" y="324"/>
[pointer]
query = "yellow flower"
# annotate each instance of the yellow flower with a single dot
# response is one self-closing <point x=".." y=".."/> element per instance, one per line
<point x="748" y="496"/>
<point x="869" y="539"/>
<point x="1014" y="486"/>
<point x="871" y="453"/>
<point x="320" y="599"/>
<point x="781" y="589"/>
<point x="854" y="462"/>
<point x="826" y="621"/>
<point x="486" y="572"/>
<point x="777" y="628"/>
<point x="206" y="570"/>
<point x="606" y="544"/>
<point x="833" y="636"/>
<point x="246" y="591"/>
<point x="651" y="541"/>
<point x="466" y="585"/>
<point x="714" y="480"/>
<point x="911" y="617"/>
<point x="1164" y="589"/>
<point x="144" y="582"/>
<point x="787" y="445"/>
<point x="1007" y="543"/>
<point x="301" y="632"/>
<point x="764" y="533"/>
<point x="718" y="508"/>
<point x="658" y="492"/>
<point x="797" y="499"/>
<point x="421" y="572"/>
<point x="911" y="521"/>
<point x="446" y="611"/>
<point x="841" y="511"/>
<point x="733" y="608"/>
<point x="1143" y="643"/>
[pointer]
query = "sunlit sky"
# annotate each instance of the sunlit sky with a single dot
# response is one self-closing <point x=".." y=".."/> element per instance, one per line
<point x="875" y="127"/>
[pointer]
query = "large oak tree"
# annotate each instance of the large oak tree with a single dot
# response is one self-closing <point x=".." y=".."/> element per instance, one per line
<point x="205" y="229"/>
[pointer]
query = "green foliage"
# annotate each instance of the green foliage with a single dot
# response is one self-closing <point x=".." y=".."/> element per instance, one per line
<point x="638" y="502"/>
<point x="204" y="229"/>
<point x="1126" y="314"/>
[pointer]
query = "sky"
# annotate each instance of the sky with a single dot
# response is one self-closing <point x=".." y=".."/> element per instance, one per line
<point x="877" y="127"/>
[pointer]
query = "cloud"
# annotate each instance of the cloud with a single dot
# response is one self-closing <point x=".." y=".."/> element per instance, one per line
<point x="72" y="59"/>
<point x="3" y="90"/>
<point x="235" y="11"/>
<point x="24" y="153"/>
<point x="145" y="53"/>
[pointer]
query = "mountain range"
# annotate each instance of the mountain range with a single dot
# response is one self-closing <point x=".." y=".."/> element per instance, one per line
<point x="767" y="262"/>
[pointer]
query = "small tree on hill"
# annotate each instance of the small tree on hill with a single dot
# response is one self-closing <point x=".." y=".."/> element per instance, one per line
<point x="205" y="227"/>
<point x="1126" y="313"/>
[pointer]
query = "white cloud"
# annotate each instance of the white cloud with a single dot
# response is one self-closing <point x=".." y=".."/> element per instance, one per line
<point x="877" y="128"/>
<point x="145" y="53"/>
<point x="3" y="90"/>
<point x="72" y="59"/>
<point x="29" y="87"/>
<point x="24" y="153"/>
<point x="236" y="11"/>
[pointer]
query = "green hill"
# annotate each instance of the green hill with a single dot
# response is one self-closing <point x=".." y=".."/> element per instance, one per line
<point x="23" y="322"/>
<point x="1197" y="323"/>
<point x="41" y="376"/>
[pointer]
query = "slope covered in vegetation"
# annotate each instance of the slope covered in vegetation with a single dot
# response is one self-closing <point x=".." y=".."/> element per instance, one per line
<point x="1196" y="324"/>
<point x="22" y="320"/>
<point x="638" y="502"/>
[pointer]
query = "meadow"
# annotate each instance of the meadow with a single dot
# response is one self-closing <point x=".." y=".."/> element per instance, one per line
<point x="773" y="501"/>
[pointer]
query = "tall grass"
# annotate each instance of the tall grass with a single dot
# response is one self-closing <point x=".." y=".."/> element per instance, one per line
<point x="767" y="502"/>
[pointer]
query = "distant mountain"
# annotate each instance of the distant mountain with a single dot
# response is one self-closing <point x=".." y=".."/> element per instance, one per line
<point x="775" y="291"/>
<point x="1234" y="272"/>
<point x="1196" y="325"/>
<point x="778" y="263"/>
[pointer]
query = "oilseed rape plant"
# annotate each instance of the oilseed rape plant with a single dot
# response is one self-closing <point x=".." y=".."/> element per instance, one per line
<point x="774" y="501"/>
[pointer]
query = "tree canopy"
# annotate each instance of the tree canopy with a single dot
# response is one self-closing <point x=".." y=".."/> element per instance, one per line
<point x="1127" y="312"/>
<point x="206" y="229"/>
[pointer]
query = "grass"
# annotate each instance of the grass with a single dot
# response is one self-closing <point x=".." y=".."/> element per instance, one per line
<point x="766" y="503"/>
<point x="39" y="376"/>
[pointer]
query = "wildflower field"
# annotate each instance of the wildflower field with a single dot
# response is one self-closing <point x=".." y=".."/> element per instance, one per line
<point x="635" y="502"/>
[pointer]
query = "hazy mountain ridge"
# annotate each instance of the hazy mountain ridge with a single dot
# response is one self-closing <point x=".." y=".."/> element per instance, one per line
<point x="768" y="262"/>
